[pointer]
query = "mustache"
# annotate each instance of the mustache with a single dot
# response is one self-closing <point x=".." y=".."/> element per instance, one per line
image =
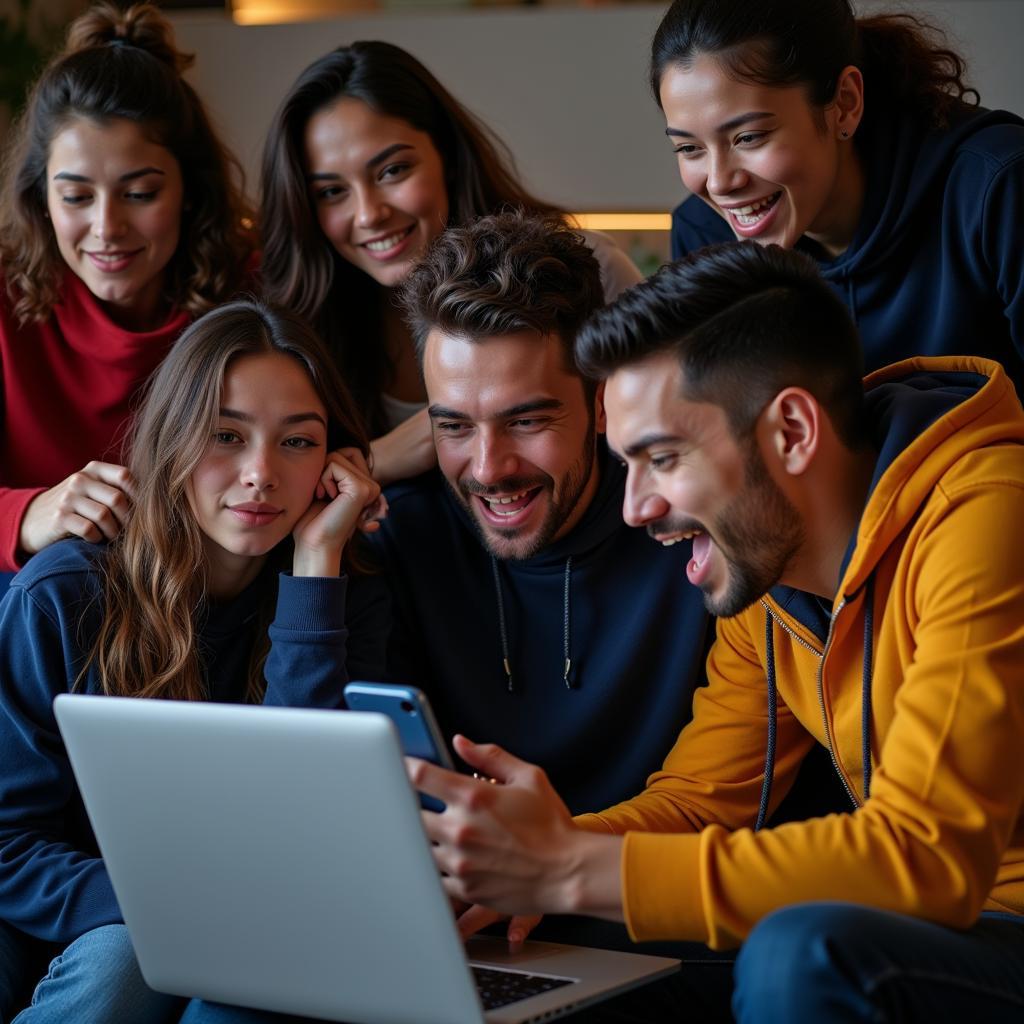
<point x="674" y="524"/>
<point x="511" y="483"/>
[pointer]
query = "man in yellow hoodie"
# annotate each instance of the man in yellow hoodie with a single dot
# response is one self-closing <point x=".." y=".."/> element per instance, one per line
<point x="860" y="543"/>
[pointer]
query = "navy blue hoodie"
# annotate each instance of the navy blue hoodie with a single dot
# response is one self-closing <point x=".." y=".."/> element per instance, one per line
<point x="53" y="884"/>
<point x="936" y="265"/>
<point x="636" y="632"/>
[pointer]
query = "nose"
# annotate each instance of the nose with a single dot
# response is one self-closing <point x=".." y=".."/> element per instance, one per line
<point x="640" y="505"/>
<point x="372" y="209"/>
<point x="258" y="469"/>
<point x="108" y="222"/>
<point x="724" y="173"/>
<point x="494" y="459"/>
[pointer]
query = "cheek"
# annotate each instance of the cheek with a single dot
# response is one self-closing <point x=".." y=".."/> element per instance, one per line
<point x="334" y="224"/>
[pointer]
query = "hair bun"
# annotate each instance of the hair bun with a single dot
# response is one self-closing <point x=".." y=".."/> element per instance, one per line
<point x="141" y="25"/>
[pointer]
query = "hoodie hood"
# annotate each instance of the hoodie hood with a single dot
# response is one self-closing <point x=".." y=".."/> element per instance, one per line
<point x="906" y="166"/>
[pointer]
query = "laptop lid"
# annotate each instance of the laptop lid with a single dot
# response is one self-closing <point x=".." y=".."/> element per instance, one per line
<point x="275" y="858"/>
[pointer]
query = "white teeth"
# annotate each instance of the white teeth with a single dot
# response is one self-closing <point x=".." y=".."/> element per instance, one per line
<point x="746" y="215"/>
<point x="494" y="504"/>
<point x="386" y="243"/>
<point x="668" y="542"/>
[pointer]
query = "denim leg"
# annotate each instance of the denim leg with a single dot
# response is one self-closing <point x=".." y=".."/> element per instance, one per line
<point x="841" y="963"/>
<point x="201" y="1012"/>
<point x="97" y="979"/>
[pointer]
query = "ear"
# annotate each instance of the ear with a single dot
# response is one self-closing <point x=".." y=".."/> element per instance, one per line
<point x="848" y="103"/>
<point x="600" y="417"/>
<point x="791" y="427"/>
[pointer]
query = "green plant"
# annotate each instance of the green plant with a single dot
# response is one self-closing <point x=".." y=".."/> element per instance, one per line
<point x="23" y="52"/>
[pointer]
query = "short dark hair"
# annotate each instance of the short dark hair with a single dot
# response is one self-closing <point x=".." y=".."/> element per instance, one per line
<point x="509" y="272"/>
<point x="745" y="321"/>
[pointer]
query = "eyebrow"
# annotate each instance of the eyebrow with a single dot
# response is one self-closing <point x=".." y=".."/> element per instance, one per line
<point x="298" y="417"/>
<point x="130" y="176"/>
<point x="649" y="441"/>
<point x="725" y="126"/>
<point x="374" y="161"/>
<point x="440" y="412"/>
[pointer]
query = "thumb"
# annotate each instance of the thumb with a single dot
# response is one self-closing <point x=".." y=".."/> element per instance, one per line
<point x="488" y="759"/>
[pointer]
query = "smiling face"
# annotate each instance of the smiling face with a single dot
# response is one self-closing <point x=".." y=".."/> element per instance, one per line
<point x="689" y="476"/>
<point x="377" y="185"/>
<point x="515" y="436"/>
<point x="762" y="157"/>
<point x="260" y="470"/>
<point x="115" y="200"/>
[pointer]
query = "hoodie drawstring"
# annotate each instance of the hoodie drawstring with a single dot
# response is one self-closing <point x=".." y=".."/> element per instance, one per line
<point x="865" y="713"/>
<point x="566" y="653"/>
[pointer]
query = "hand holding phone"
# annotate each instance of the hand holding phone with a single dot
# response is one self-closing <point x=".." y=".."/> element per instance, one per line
<point x="410" y="711"/>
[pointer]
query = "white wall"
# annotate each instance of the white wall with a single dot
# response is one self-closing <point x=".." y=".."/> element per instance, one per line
<point x="565" y="87"/>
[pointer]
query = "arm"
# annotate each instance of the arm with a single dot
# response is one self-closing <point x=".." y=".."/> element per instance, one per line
<point x="1002" y="207"/>
<point x="404" y="452"/>
<point x="310" y="633"/>
<point x="49" y="887"/>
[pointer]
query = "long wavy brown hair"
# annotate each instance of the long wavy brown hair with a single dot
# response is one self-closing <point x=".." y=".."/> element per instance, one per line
<point x="154" y="577"/>
<point x="301" y="269"/>
<point x="124" y="64"/>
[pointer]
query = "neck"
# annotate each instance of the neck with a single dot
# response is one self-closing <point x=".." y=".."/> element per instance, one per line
<point x="405" y="380"/>
<point x="146" y="311"/>
<point x="227" y="575"/>
<point x="835" y="227"/>
<point x="832" y="509"/>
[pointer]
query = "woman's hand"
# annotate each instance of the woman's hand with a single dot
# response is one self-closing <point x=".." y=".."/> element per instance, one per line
<point x="347" y="498"/>
<point x="92" y="504"/>
<point x="475" y="917"/>
<point x="406" y="451"/>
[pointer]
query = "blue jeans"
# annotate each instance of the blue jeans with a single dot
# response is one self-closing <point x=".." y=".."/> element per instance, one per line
<point x="97" y="979"/>
<point x="839" y="962"/>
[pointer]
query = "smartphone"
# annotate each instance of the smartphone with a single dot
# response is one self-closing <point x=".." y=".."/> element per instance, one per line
<point x="409" y="709"/>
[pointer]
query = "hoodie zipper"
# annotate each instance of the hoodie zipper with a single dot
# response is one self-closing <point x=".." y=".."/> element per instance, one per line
<point x="821" y="686"/>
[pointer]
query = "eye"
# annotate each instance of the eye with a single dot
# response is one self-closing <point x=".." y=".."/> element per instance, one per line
<point x="660" y="463"/>
<point x="450" y="427"/>
<point x="75" y="199"/>
<point x="329" y="192"/>
<point x="142" y="197"/>
<point x="749" y="138"/>
<point x="226" y="437"/>
<point x="299" y="443"/>
<point x="393" y="171"/>
<point x="686" y="149"/>
<point x="528" y="422"/>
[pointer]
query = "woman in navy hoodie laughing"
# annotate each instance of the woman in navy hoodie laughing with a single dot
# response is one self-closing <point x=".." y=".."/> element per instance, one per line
<point x="853" y="140"/>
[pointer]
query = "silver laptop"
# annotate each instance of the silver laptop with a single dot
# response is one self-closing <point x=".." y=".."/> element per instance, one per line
<point x="275" y="858"/>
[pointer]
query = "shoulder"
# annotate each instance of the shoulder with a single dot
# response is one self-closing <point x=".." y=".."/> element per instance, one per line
<point x="417" y="508"/>
<point x="694" y="225"/>
<point x="69" y="568"/>
<point x="618" y="271"/>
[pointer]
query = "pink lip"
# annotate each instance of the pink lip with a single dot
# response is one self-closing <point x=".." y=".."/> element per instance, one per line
<point x="384" y="255"/>
<point x="254" y="513"/>
<point x="112" y="266"/>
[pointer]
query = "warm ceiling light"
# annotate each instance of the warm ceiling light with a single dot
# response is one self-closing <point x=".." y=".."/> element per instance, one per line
<point x="281" y="12"/>
<point x="623" y="221"/>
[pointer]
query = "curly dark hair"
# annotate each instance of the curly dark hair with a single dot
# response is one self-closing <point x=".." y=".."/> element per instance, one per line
<point x="124" y="64"/>
<point x="512" y="271"/>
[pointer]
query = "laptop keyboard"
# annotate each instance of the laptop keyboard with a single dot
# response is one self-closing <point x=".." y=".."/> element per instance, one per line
<point x="499" y="988"/>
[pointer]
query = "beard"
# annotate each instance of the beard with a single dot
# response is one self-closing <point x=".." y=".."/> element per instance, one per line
<point x="757" y="534"/>
<point x="563" y="497"/>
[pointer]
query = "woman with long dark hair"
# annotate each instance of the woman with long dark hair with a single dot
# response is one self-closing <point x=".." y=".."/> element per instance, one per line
<point x="121" y="219"/>
<point x="858" y="141"/>
<point x="247" y="459"/>
<point x="367" y="160"/>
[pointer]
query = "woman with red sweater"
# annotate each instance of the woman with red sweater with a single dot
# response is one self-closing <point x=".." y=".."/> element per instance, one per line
<point x="121" y="220"/>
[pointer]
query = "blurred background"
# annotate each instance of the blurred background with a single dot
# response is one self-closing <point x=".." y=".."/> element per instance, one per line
<point x="563" y="82"/>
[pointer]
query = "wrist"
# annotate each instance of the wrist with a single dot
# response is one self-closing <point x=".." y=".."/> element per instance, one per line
<point x="316" y="562"/>
<point x="592" y="881"/>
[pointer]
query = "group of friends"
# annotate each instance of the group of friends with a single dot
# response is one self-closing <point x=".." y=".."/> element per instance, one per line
<point x="646" y="545"/>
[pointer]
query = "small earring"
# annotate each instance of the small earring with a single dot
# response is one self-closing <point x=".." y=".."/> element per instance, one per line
<point x="844" y="134"/>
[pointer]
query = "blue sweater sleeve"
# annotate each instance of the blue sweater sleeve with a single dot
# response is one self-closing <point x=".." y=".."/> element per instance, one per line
<point x="1002" y="209"/>
<point x="326" y="631"/>
<point x="49" y="887"/>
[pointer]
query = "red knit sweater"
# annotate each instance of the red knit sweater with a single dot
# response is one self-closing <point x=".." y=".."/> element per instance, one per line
<point x="66" y="388"/>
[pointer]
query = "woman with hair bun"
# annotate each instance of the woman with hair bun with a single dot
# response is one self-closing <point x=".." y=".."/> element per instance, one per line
<point x="232" y="581"/>
<point x="366" y="162"/>
<point x="121" y="219"/>
<point x="854" y="140"/>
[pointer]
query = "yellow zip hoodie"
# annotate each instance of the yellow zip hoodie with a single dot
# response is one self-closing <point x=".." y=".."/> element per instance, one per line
<point x="941" y="833"/>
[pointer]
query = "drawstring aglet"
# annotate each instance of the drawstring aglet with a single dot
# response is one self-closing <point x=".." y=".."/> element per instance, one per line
<point x="508" y="672"/>
<point x="565" y="676"/>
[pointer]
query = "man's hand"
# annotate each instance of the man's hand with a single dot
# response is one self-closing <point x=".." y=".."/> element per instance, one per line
<point x="512" y="845"/>
<point x="92" y="504"/>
